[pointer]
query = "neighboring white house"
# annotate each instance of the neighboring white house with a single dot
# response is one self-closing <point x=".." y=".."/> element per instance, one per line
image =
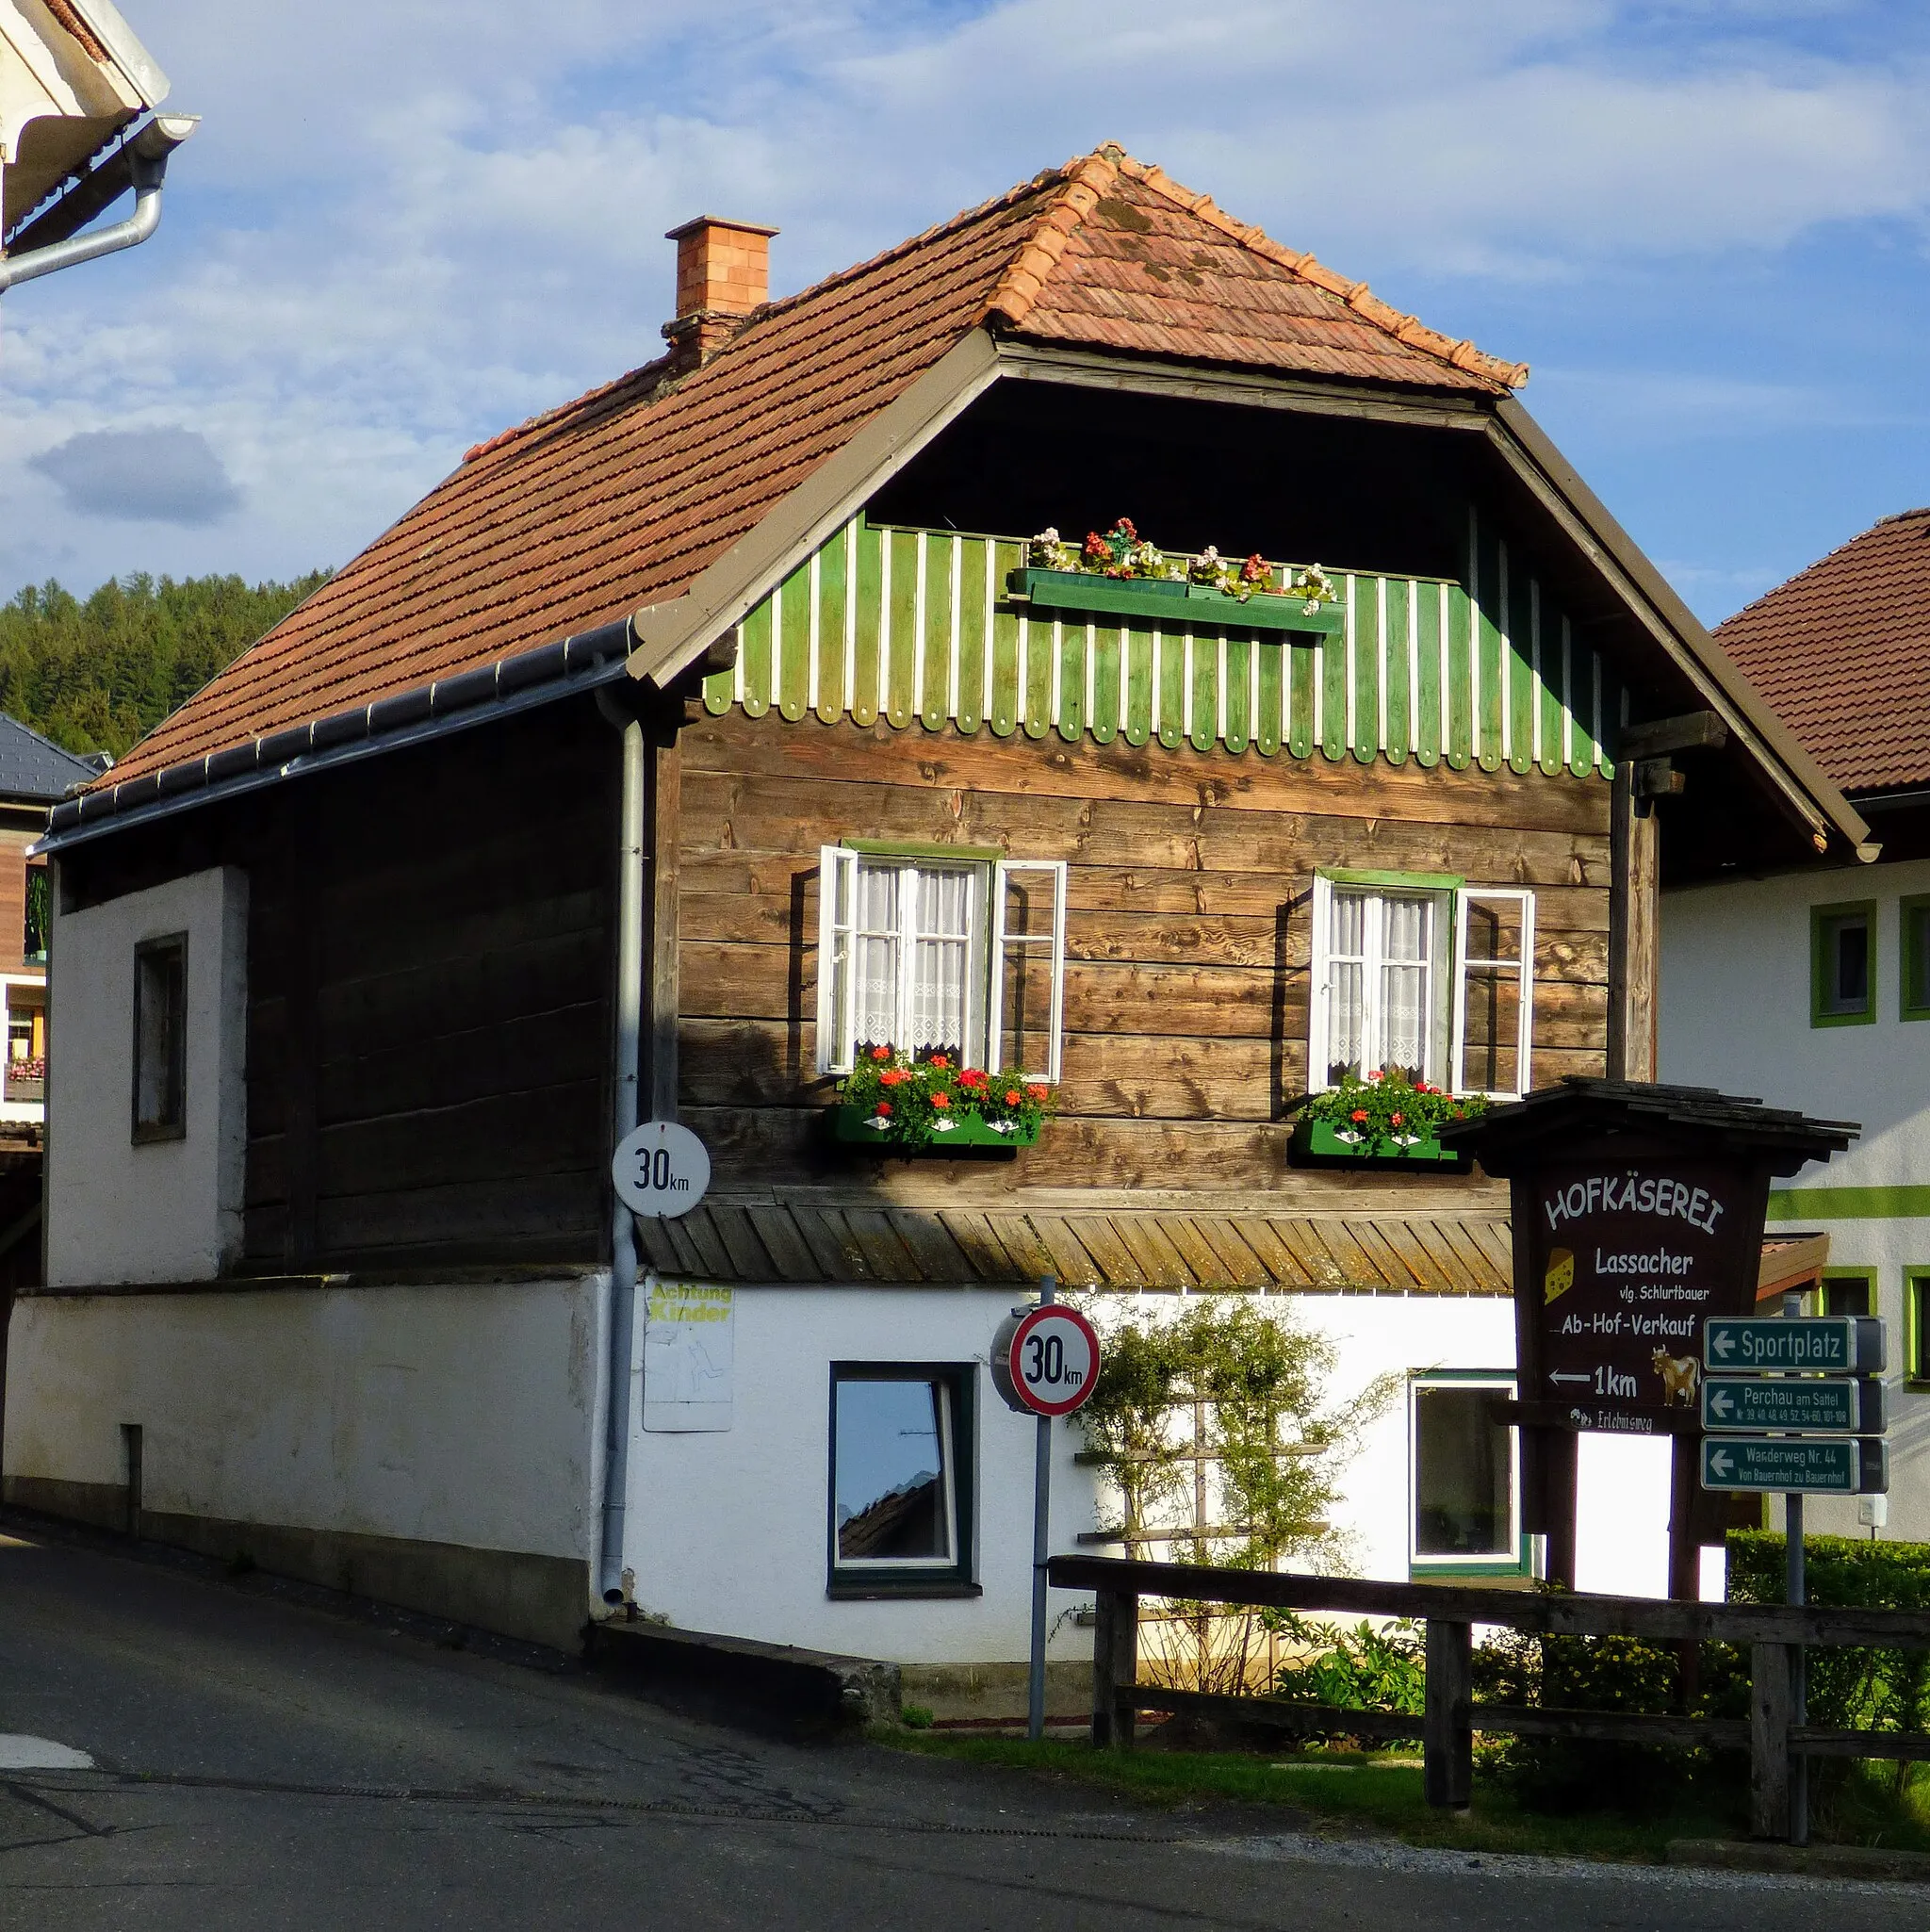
<point x="1811" y="988"/>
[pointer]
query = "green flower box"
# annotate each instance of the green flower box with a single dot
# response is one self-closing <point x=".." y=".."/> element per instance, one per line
<point x="1324" y="1140"/>
<point x="1171" y="603"/>
<point x="853" y="1126"/>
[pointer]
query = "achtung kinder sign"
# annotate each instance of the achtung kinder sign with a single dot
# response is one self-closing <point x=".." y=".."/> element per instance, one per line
<point x="1627" y="1262"/>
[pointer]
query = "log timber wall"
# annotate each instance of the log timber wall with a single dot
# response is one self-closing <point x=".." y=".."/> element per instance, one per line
<point x="1187" y="938"/>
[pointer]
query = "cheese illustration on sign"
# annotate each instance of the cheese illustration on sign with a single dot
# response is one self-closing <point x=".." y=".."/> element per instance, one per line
<point x="1561" y="1275"/>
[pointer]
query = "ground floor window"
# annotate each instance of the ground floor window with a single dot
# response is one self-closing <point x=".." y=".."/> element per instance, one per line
<point x="1464" y="1464"/>
<point x="901" y="1479"/>
<point x="1848" y="1291"/>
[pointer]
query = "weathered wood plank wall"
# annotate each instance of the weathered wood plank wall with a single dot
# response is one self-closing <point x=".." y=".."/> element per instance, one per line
<point x="1189" y="933"/>
<point x="436" y="928"/>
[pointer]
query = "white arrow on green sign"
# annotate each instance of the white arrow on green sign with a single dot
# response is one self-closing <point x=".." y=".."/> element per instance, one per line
<point x="1828" y="1406"/>
<point x="1760" y="1344"/>
<point x="1848" y="1467"/>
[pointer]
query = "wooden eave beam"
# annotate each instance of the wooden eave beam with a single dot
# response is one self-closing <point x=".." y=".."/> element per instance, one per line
<point x="671" y="637"/>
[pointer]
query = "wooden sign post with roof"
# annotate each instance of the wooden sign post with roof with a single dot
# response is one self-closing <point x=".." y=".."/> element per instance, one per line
<point x="1637" y="1215"/>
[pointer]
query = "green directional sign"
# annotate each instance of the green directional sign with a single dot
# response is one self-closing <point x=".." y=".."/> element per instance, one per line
<point x="1852" y="1466"/>
<point x="1847" y="1343"/>
<point x="1814" y="1404"/>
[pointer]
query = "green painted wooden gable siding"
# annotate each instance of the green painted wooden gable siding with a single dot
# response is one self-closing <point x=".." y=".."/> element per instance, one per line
<point x="913" y="626"/>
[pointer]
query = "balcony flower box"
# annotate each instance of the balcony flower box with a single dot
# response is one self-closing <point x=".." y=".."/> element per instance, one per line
<point x="1173" y="604"/>
<point x="857" y="1126"/>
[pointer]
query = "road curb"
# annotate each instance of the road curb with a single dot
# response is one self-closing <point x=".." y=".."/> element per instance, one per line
<point x="1809" y="1860"/>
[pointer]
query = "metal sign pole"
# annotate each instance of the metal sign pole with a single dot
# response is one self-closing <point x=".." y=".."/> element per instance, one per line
<point x="1041" y="1512"/>
<point x="1796" y="1590"/>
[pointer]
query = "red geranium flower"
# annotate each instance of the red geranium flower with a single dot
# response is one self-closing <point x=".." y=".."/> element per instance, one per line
<point x="1397" y="1119"/>
<point x="941" y="1099"/>
<point x="881" y="1052"/>
<point x="1011" y="1096"/>
<point x="1037" y="1092"/>
<point x="884" y="1106"/>
<point x="940" y="1060"/>
<point x="1359" y="1113"/>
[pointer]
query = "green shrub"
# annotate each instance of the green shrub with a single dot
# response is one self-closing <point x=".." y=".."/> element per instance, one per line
<point x="1361" y="1669"/>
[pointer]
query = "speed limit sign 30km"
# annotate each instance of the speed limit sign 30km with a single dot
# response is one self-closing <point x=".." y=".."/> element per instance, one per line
<point x="1045" y="1360"/>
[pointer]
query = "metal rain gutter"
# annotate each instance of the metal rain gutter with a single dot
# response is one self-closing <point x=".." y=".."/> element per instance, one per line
<point x="510" y="684"/>
<point x="147" y="166"/>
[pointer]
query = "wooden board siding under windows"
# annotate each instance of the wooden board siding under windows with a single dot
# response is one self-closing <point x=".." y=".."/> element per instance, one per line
<point x="1188" y="939"/>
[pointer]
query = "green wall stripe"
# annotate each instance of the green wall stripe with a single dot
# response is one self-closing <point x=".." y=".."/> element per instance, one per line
<point x="1849" y="1203"/>
<point x="913" y="626"/>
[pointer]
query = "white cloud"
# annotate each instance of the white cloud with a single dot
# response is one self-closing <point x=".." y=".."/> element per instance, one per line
<point x="408" y="222"/>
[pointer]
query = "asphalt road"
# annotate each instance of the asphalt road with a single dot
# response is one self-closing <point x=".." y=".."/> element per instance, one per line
<point x="261" y="1762"/>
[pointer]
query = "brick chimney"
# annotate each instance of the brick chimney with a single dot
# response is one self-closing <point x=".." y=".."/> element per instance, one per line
<point x="723" y="272"/>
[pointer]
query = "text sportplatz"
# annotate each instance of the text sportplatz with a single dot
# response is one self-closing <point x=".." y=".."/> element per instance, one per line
<point x="1666" y="1199"/>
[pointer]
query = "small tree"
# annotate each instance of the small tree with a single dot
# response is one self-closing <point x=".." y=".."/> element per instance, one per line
<point x="1252" y="1482"/>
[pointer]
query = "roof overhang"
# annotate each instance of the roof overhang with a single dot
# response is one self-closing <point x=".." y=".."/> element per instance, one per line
<point x="670" y="641"/>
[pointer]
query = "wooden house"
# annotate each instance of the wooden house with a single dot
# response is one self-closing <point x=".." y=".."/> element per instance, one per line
<point x="702" y="735"/>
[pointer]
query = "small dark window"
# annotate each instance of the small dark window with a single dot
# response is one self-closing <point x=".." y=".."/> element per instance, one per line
<point x="1846" y="1294"/>
<point x="1916" y="1325"/>
<point x="160" y="1039"/>
<point x="1841" y="990"/>
<point x="1915" y="920"/>
<point x="901" y="1479"/>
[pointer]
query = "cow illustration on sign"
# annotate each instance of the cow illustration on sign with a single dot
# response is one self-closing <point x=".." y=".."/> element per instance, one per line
<point x="1680" y="1376"/>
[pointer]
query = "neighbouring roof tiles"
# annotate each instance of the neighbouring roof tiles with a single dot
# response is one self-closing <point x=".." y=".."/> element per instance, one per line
<point x="1842" y="651"/>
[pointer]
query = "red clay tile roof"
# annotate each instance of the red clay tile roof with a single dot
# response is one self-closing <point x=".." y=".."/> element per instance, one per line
<point x="620" y="498"/>
<point x="1842" y="654"/>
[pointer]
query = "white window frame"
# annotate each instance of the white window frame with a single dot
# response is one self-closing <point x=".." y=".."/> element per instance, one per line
<point x="1450" y="968"/>
<point x="1440" y="967"/>
<point x="1524" y="970"/>
<point x="1003" y="941"/>
<point x="1501" y="1382"/>
<point x="838" y="872"/>
<point x="958" y="1501"/>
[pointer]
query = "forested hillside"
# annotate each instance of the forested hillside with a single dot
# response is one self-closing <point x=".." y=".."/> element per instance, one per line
<point x="96" y="673"/>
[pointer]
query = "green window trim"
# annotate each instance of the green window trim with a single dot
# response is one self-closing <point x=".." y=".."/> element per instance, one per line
<point x="1913" y="960"/>
<point x="911" y="848"/>
<point x="1821" y="919"/>
<point x="1866" y="1277"/>
<point x="1397" y="882"/>
<point x="1917" y="1328"/>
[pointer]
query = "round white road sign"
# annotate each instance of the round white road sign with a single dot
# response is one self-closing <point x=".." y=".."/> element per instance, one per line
<point x="1046" y="1360"/>
<point x="661" y="1169"/>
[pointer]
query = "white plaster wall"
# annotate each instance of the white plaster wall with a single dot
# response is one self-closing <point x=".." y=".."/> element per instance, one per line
<point x="1735" y="1014"/>
<point x="167" y="1210"/>
<point x="454" y="1415"/>
<point x="726" y="1530"/>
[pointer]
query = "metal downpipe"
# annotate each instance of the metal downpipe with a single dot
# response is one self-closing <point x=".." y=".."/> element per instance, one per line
<point x="148" y="168"/>
<point x="611" y="1583"/>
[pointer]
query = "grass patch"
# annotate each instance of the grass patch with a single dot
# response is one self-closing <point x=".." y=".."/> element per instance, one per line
<point x="1342" y="1790"/>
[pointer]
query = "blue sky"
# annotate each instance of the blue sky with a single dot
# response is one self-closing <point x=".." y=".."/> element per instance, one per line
<point x="406" y="223"/>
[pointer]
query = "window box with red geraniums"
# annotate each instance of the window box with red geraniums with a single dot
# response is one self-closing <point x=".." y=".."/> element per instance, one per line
<point x="1385" y="1117"/>
<point x="928" y="1102"/>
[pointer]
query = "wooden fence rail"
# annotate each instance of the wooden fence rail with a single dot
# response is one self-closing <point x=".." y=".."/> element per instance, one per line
<point x="1774" y="1632"/>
